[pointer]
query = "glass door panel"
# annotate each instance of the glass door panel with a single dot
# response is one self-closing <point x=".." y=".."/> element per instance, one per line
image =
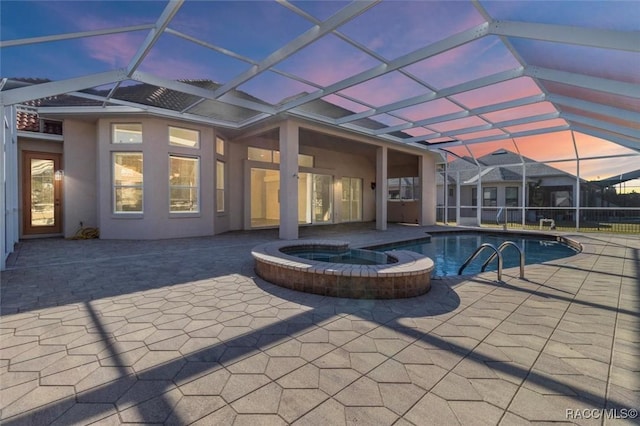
<point x="351" y="199"/>
<point x="304" y="197"/>
<point x="42" y="193"/>
<point x="265" y="197"/>
<point x="322" y="199"/>
<point x="356" y="200"/>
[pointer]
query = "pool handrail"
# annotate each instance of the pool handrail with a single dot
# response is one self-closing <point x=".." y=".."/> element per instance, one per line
<point x="477" y="252"/>
<point x="501" y="249"/>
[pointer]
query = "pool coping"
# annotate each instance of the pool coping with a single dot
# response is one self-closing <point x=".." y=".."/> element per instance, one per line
<point x="409" y="276"/>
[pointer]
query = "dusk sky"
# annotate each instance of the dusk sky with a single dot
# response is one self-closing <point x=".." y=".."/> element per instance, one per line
<point x="252" y="30"/>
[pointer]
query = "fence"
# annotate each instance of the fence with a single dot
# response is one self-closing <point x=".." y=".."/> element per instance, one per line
<point x="592" y="219"/>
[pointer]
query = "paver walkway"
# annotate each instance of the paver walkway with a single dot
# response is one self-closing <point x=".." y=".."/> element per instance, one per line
<point x="182" y="331"/>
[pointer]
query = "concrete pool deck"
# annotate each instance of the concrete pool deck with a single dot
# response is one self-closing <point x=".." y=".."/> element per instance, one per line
<point x="182" y="331"/>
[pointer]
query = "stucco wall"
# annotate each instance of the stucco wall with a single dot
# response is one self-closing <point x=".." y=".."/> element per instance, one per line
<point x="80" y="176"/>
<point x="156" y="221"/>
<point x="89" y="196"/>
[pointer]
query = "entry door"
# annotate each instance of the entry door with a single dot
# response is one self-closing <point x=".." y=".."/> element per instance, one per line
<point x="42" y="193"/>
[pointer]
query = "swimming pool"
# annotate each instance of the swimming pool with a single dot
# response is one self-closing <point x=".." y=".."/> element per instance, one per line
<point x="339" y="255"/>
<point x="449" y="250"/>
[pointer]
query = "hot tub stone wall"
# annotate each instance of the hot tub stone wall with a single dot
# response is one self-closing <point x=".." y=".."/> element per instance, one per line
<point x="408" y="277"/>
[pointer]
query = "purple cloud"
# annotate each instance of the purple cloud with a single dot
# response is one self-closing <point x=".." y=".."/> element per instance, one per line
<point x="386" y="89"/>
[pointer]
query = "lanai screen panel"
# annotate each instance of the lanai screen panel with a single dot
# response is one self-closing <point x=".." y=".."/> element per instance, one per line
<point x="411" y="72"/>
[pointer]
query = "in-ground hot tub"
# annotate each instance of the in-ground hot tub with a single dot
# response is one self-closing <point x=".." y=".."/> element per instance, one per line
<point x="331" y="268"/>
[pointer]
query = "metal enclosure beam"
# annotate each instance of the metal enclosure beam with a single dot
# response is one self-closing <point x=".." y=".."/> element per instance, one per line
<point x="344" y="15"/>
<point x="54" y="88"/>
<point x="71" y="36"/>
<point x="401" y="62"/>
<point x="163" y="21"/>
<point x="592" y="37"/>
<point x="588" y="82"/>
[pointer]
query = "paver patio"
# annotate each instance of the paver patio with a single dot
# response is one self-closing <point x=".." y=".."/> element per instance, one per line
<point x="182" y="331"/>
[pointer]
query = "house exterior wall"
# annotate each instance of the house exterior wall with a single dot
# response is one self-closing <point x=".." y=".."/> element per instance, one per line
<point x="80" y="176"/>
<point x="155" y="222"/>
<point x="88" y="183"/>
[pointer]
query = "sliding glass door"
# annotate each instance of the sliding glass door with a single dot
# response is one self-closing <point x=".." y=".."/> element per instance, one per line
<point x="351" y="199"/>
<point x="315" y="198"/>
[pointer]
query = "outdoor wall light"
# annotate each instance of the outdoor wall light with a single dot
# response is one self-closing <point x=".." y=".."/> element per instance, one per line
<point x="373" y="186"/>
<point x="58" y="175"/>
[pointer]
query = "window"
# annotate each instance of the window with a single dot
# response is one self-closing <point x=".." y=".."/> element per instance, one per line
<point x="273" y="156"/>
<point x="511" y="196"/>
<point x="126" y="133"/>
<point x="490" y="196"/>
<point x="184" y="183"/>
<point x="305" y="160"/>
<point x="220" y="184"/>
<point x="184" y="137"/>
<point x="405" y="188"/>
<point x="127" y="182"/>
<point x="259" y="154"/>
<point x="219" y="146"/>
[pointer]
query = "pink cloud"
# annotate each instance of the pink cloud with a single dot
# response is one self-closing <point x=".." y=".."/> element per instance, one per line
<point x="461" y="123"/>
<point x="482" y="149"/>
<point x="274" y="88"/>
<point x="393" y="29"/>
<point x="328" y="61"/>
<point x="481" y="134"/>
<point x="428" y="109"/>
<point x="387" y="119"/>
<point x="520" y="112"/>
<point x="386" y="89"/>
<point x="501" y="92"/>
<point x="468" y="62"/>
<point x="590" y="146"/>
<point x="115" y="50"/>
<point x="550" y="146"/>
<point x="345" y="103"/>
<point x="418" y="131"/>
<point x="537" y="125"/>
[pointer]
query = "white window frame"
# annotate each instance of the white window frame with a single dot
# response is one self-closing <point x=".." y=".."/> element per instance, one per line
<point x="115" y="187"/>
<point x="196" y="186"/>
<point x="114" y="132"/>
<point x="222" y="188"/>
<point x="220" y="146"/>
<point x="184" y="129"/>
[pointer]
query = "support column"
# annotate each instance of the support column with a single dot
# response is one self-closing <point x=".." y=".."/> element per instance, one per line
<point x="428" y="195"/>
<point x="446" y="191"/>
<point x="577" y="191"/>
<point x="3" y="199"/>
<point x="524" y="195"/>
<point x="479" y="198"/>
<point x="577" y="197"/>
<point x="9" y="223"/>
<point x="458" y="198"/>
<point x="289" y="141"/>
<point x="381" y="188"/>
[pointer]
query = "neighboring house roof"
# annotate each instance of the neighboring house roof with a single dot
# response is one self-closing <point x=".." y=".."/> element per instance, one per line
<point x="614" y="180"/>
<point x="493" y="172"/>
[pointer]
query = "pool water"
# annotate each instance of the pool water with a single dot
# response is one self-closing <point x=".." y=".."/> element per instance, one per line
<point x="449" y="251"/>
<point x="350" y="256"/>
